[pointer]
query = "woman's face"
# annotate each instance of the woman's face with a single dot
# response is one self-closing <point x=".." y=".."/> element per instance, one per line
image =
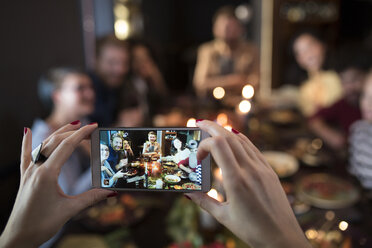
<point x="177" y="144"/>
<point x="366" y="100"/>
<point x="117" y="143"/>
<point x="76" y="95"/>
<point x="309" y="53"/>
<point x="126" y="145"/>
<point x="104" y="152"/>
<point x="152" y="138"/>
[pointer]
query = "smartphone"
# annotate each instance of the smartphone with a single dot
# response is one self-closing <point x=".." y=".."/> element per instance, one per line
<point x="149" y="159"/>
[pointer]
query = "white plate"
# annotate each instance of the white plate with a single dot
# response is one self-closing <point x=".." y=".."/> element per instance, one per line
<point x="283" y="163"/>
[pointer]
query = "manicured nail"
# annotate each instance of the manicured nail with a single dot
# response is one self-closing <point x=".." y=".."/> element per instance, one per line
<point x="112" y="194"/>
<point x="75" y="122"/>
<point x="234" y="131"/>
<point x="25" y="129"/>
<point x="187" y="197"/>
<point x="198" y="120"/>
<point x="93" y="123"/>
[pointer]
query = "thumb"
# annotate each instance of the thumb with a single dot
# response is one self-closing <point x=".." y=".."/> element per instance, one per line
<point x="207" y="203"/>
<point x="26" y="150"/>
<point x="90" y="197"/>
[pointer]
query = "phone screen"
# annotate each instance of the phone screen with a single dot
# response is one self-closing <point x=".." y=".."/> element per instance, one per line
<point x="151" y="159"/>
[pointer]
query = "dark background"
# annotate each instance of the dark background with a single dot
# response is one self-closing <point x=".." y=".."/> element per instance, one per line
<point x="36" y="35"/>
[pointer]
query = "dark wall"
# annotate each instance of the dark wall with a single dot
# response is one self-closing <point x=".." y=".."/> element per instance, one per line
<point x="35" y="35"/>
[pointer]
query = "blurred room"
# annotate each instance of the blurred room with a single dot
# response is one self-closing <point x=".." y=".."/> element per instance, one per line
<point x="292" y="75"/>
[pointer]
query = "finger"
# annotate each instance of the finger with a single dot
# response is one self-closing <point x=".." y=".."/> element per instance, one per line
<point x="68" y="127"/>
<point x="89" y="198"/>
<point x="213" y="128"/>
<point x="209" y="204"/>
<point x="53" y="141"/>
<point x="68" y="145"/>
<point x="26" y="150"/>
<point x="224" y="158"/>
<point x="252" y="150"/>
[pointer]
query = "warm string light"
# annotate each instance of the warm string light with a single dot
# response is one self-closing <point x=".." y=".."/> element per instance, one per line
<point x="215" y="195"/>
<point x="245" y="106"/>
<point x="222" y="119"/>
<point x="248" y="91"/>
<point x="343" y="225"/>
<point x="191" y="122"/>
<point x="219" y="92"/>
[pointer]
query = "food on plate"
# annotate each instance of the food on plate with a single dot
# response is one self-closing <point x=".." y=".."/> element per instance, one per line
<point x="191" y="186"/>
<point x="172" y="179"/>
<point x="177" y="187"/>
<point x="326" y="191"/>
<point x="282" y="163"/>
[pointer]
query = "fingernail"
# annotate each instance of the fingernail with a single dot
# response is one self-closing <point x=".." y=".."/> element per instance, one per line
<point x="112" y="194"/>
<point x="75" y="122"/>
<point x="93" y="123"/>
<point x="187" y="197"/>
<point x="25" y="129"/>
<point x="198" y="120"/>
<point x="234" y="131"/>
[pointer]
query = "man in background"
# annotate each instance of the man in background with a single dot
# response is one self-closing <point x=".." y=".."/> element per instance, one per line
<point x="228" y="61"/>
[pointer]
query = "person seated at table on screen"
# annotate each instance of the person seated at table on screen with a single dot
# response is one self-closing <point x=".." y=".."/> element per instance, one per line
<point x="322" y="87"/>
<point x="108" y="177"/>
<point x="360" y="139"/>
<point x="228" y="61"/>
<point x="332" y="123"/>
<point x="151" y="148"/>
<point x="117" y="159"/>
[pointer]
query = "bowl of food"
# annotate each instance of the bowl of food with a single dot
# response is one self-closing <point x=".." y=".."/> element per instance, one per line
<point x="282" y="163"/>
<point x="173" y="179"/>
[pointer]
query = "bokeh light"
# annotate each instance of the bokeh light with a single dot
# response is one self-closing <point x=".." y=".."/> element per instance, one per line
<point x="244" y="106"/>
<point x="248" y="91"/>
<point x="121" y="29"/>
<point x="222" y="119"/>
<point x="343" y="225"/>
<point x="191" y="122"/>
<point x="219" y="92"/>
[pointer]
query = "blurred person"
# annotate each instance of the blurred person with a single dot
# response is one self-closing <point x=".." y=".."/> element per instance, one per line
<point x="147" y="80"/>
<point x="256" y="211"/>
<point x="360" y="139"/>
<point x="332" y="123"/>
<point x="108" y="177"/>
<point x="151" y="148"/>
<point x="322" y="87"/>
<point x="228" y="61"/>
<point x="110" y="74"/>
<point x="72" y="97"/>
<point x="70" y="93"/>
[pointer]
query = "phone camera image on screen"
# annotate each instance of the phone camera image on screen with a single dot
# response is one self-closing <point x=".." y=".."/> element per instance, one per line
<point x="150" y="159"/>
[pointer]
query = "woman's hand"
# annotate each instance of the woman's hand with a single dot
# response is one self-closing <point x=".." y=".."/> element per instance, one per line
<point x="256" y="208"/>
<point x="118" y="175"/>
<point x="41" y="207"/>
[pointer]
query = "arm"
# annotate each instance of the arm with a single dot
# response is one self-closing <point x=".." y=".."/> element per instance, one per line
<point x="332" y="137"/>
<point x="40" y="199"/>
<point x="257" y="209"/>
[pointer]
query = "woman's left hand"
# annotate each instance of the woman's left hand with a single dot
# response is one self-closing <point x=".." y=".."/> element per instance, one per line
<point x="41" y="207"/>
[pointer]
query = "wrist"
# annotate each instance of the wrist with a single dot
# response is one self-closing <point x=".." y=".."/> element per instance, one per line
<point x="9" y="240"/>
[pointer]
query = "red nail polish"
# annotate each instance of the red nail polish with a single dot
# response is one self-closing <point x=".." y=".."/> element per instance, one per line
<point x="93" y="123"/>
<point x="25" y="129"/>
<point x="234" y="131"/>
<point x="187" y="197"/>
<point x="199" y="120"/>
<point x="75" y="122"/>
<point x="112" y="194"/>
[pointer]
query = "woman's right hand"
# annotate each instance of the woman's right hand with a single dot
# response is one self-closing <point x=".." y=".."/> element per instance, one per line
<point x="256" y="208"/>
<point x="118" y="175"/>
